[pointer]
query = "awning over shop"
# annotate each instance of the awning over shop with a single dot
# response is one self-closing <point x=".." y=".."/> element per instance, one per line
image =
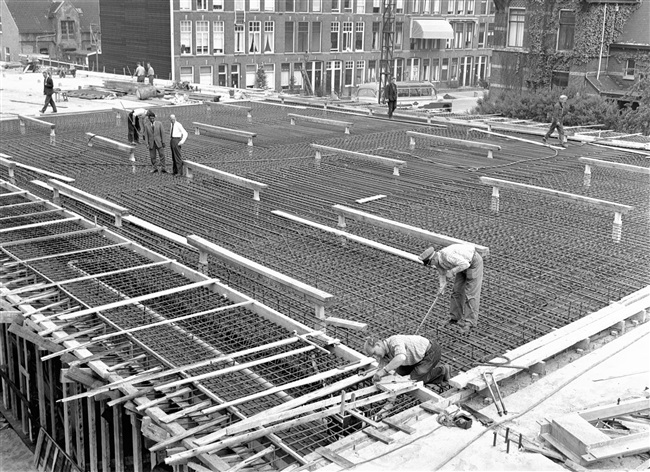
<point x="431" y="29"/>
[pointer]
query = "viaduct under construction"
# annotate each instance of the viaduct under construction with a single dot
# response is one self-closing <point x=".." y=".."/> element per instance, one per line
<point x="215" y="321"/>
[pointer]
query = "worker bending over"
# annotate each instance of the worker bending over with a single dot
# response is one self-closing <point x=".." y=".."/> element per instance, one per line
<point x="462" y="263"/>
<point x="411" y="355"/>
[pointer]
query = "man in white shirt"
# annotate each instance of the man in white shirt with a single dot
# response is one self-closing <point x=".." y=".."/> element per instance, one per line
<point x="462" y="263"/>
<point x="139" y="73"/>
<point x="178" y="136"/>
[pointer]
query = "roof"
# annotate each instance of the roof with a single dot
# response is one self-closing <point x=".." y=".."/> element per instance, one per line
<point x="610" y="85"/>
<point x="636" y="29"/>
<point x="33" y="16"/>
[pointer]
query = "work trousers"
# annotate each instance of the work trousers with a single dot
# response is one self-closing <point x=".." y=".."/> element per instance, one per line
<point x="49" y="101"/>
<point x="427" y="370"/>
<point x="133" y="124"/>
<point x="466" y="294"/>
<point x="555" y="124"/>
<point x="392" y="104"/>
<point x="157" y="155"/>
<point x="177" y="160"/>
<point x="151" y="80"/>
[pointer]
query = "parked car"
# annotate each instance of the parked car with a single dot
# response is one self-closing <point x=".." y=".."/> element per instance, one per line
<point x="409" y="95"/>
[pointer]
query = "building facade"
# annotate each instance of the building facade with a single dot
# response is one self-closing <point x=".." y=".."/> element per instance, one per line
<point x="593" y="45"/>
<point x="65" y="31"/>
<point x="321" y="46"/>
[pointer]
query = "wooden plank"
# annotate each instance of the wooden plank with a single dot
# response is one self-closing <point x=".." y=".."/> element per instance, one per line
<point x="604" y="204"/>
<point x="190" y="432"/>
<point x="351" y="237"/>
<point x="373" y="433"/>
<point x="118" y="440"/>
<point x="36" y="121"/>
<point x="341" y="323"/>
<point x="185" y="411"/>
<point x="136" y="444"/>
<point x="235" y="132"/>
<point x="624" y="407"/>
<point x="615" y="165"/>
<point x="428" y="236"/>
<point x="105" y="438"/>
<point x="456" y="142"/>
<point x="576" y="433"/>
<point x="115" y="144"/>
<point x="359" y="155"/>
<point x="399" y="426"/>
<point x="334" y="457"/>
<point x="623" y="446"/>
<point x="225" y="176"/>
<point x="91" y="432"/>
<point x="70" y="253"/>
<point x="84" y="197"/>
<point x="52" y="236"/>
<point x="251" y="459"/>
<point x="311" y="293"/>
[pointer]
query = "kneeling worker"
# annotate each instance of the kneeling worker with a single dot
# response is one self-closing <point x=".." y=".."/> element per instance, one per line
<point x="465" y="265"/>
<point x="411" y="355"/>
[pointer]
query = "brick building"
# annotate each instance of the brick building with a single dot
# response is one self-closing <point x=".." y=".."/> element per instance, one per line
<point x="595" y="45"/>
<point x="325" y="46"/>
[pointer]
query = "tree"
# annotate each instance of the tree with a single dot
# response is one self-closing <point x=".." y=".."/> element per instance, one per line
<point x="260" y="78"/>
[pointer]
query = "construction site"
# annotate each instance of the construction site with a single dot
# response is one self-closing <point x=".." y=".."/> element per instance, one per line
<point x="216" y="320"/>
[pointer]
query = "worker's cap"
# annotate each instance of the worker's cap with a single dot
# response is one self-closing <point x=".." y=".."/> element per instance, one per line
<point x="427" y="255"/>
<point x="150" y="113"/>
<point x="563" y="97"/>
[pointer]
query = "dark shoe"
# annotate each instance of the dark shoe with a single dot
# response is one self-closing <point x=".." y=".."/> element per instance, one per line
<point x="450" y="322"/>
<point x="153" y="171"/>
<point x="464" y="328"/>
<point x="163" y="171"/>
<point x="446" y="372"/>
<point x="544" y="140"/>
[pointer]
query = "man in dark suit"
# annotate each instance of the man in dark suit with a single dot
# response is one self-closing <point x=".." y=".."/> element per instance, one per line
<point x="390" y="95"/>
<point x="153" y="136"/>
<point x="48" y="90"/>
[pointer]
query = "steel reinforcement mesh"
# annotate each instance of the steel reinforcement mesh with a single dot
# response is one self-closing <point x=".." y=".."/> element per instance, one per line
<point x="551" y="262"/>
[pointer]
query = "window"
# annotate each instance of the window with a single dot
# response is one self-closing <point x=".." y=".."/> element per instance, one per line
<point x="481" y="35"/>
<point x="346" y="41"/>
<point x="435" y="7"/>
<point x="186" y="5"/>
<point x="239" y="5"/>
<point x="490" y="35"/>
<point x="288" y="36"/>
<point x="349" y="73"/>
<point x="435" y="70"/>
<point x="347" y="5"/>
<point x="67" y="29"/>
<point x="460" y="7"/>
<point x="269" y="37"/>
<point x="470" y="7"/>
<point x="469" y="34"/>
<point x="516" y="21"/>
<point x="289" y="5"/>
<point x="361" y="7"/>
<point x="302" y="5"/>
<point x="269" y="5"/>
<point x="482" y="9"/>
<point x="559" y="79"/>
<point x="445" y="70"/>
<point x="285" y="74"/>
<point x="202" y="37"/>
<point x="426" y="69"/>
<point x="358" y="36"/>
<point x="334" y="36"/>
<point x="415" y="6"/>
<point x="399" y="6"/>
<point x="453" y="72"/>
<point x="205" y="75"/>
<point x="202" y="5"/>
<point x="303" y="37"/>
<point x="630" y="66"/>
<point x="336" y="5"/>
<point x="222" y="75"/>
<point x="254" y="36"/>
<point x="399" y="36"/>
<point x="451" y="7"/>
<point x="254" y="5"/>
<point x="251" y="75"/>
<point x="186" y="37"/>
<point x="376" y="8"/>
<point x="360" y="72"/>
<point x="217" y="5"/>
<point x="375" y="42"/>
<point x="458" y="35"/>
<point x="187" y="74"/>
<point x="297" y="74"/>
<point x="217" y="37"/>
<point x="315" y="36"/>
<point x="316" y="5"/>
<point x="239" y="39"/>
<point x="566" y="30"/>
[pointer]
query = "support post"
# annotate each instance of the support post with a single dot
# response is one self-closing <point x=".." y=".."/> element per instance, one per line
<point x="293" y="120"/>
<point x="105" y="438"/>
<point x="250" y="141"/>
<point x="40" y="385"/>
<point x="197" y="131"/>
<point x="587" y="178"/>
<point x="318" y="155"/>
<point x="189" y="173"/>
<point x="617" y="227"/>
<point x="411" y="142"/>
<point x="118" y="118"/>
<point x="319" y="311"/>
<point x="256" y="195"/>
<point x="52" y="137"/>
<point x="22" y="126"/>
<point x="490" y="155"/>
<point x="118" y="220"/>
<point x="137" y="444"/>
<point x="396" y="171"/>
<point x="92" y="435"/>
<point x="56" y="197"/>
<point x="341" y="223"/>
<point x="495" y="200"/>
<point x="347" y="129"/>
<point x="117" y="439"/>
<point x="249" y="117"/>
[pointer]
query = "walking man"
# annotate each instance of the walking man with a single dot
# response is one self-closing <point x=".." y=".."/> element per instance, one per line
<point x="412" y="355"/>
<point x="150" y="73"/>
<point x="464" y="264"/>
<point x="153" y="136"/>
<point x="390" y="95"/>
<point x="139" y="73"/>
<point x="48" y="90"/>
<point x="178" y="135"/>
<point x="557" y="116"/>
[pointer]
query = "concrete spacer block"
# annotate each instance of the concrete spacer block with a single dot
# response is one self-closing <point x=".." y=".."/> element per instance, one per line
<point x="583" y="345"/>
<point x="539" y="368"/>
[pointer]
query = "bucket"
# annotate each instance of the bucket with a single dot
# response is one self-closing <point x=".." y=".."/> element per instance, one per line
<point x="145" y="92"/>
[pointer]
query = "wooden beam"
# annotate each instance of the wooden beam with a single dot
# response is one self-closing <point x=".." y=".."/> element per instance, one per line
<point x="396" y="164"/>
<point x="105" y="438"/>
<point x="91" y="432"/>
<point x="615" y="165"/>
<point x="70" y="253"/>
<point x="251" y="459"/>
<point x="118" y="440"/>
<point x="341" y="323"/>
<point x="335" y="458"/>
<point x="191" y="167"/>
<point x="428" y="236"/>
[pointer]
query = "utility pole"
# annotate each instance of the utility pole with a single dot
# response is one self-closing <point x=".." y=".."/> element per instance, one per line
<point x="387" y="44"/>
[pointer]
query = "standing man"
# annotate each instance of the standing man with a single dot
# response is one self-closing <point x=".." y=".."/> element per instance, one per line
<point x="178" y="135"/>
<point x="135" y="124"/>
<point x="411" y="355"/>
<point x="139" y="73"/>
<point x="150" y="73"/>
<point x="48" y="90"/>
<point x="390" y="95"/>
<point x="557" y="115"/>
<point x="153" y="136"/>
<point x="462" y="263"/>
